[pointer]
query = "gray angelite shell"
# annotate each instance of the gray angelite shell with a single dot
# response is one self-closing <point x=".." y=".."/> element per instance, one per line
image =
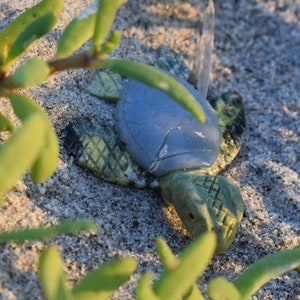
<point x="160" y="135"/>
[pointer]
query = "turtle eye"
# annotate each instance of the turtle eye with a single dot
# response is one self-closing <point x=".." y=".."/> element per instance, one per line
<point x="192" y="217"/>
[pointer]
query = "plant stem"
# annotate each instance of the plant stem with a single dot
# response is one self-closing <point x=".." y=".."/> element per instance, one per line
<point x="82" y="60"/>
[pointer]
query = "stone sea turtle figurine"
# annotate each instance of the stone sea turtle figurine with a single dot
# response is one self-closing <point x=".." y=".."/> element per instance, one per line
<point x="157" y="143"/>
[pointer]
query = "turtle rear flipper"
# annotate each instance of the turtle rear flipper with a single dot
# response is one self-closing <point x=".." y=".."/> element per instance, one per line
<point x="230" y="111"/>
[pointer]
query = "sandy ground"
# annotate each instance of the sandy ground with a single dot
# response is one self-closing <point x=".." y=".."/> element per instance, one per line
<point x="257" y="46"/>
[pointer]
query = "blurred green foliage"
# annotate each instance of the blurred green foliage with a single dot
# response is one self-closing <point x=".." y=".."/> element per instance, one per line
<point x="177" y="281"/>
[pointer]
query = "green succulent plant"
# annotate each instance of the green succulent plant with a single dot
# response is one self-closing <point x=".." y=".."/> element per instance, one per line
<point x="177" y="281"/>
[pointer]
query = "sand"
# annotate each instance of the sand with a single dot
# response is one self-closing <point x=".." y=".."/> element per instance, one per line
<point x="257" y="46"/>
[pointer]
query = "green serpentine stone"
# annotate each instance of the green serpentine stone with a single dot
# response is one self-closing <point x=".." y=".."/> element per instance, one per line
<point x="202" y="200"/>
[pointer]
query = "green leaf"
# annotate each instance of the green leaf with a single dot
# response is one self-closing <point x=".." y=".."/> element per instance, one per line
<point x="34" y="71"/>
<point x="112" y="43"/>
<point x="36" y="29"/>
<point x="220" y="288"/>
<point x="23" y="106"/>
<point x="107" y="10"/>
<point x="169" y="262"/>
<point x="19" y="152"/>
<point x="78" y="32"/>
<point x="45" y="232"/>
<point x="157" y="79"/>
<point x="10" y="33"/>
<point x="46" y="162"/>
<point x="51" y="275"/>
<point x="193" y="294"/>
<point x="176" y="282"/>
<point x="6" y="124"/>
<point x="265" y="269"/>
<point x="202" y="62"/>
<point x="166" y="256"/>
<point x="144" y="289"/>
<point x="103" y="282"/>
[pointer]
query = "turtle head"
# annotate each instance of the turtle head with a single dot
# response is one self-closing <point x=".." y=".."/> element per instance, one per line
<point x="204" y="203"/>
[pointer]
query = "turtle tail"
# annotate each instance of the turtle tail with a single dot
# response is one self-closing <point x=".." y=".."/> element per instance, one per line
<point x="99" y="149"/>
<point x="229" y="109"/>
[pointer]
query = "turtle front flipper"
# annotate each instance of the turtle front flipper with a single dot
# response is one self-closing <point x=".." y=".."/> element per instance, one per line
<point x="204" y="203"/>
<point x="99" y="149"/>
<point x="230" y="112"/>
